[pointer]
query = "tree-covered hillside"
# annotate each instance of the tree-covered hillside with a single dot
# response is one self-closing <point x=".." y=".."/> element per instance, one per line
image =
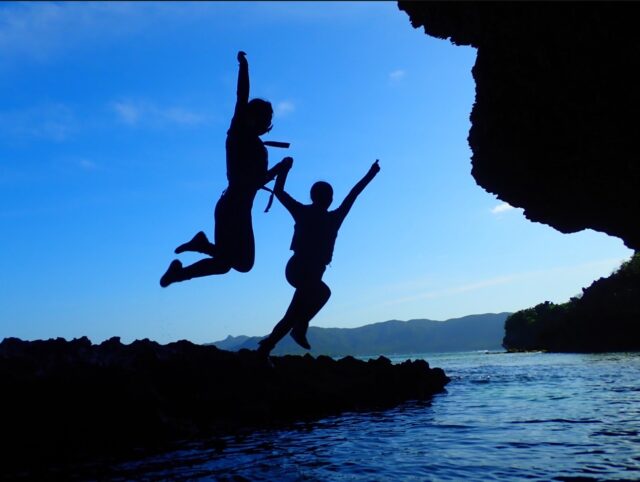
<point x="605" y="317"/>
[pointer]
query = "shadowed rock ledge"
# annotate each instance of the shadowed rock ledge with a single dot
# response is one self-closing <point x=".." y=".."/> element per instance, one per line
<point x="69" y="400"/>
<point x="554" y="127"/>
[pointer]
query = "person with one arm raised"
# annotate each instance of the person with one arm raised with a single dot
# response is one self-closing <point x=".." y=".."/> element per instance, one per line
<point x="247" y="172"/>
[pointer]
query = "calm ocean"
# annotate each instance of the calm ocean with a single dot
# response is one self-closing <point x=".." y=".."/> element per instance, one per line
<point x="529" y="416"/>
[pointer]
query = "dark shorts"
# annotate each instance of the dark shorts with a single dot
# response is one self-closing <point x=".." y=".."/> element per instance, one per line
<point x="301" y="272"/>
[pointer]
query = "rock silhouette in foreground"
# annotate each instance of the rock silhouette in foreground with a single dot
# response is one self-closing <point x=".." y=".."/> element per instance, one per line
<point x="69" y="400"/>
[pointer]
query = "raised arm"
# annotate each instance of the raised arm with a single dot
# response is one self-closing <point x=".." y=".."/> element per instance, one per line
<point x="345" y="207"/>
<point x="242" y="91"/>
<point x="287" y="201"/>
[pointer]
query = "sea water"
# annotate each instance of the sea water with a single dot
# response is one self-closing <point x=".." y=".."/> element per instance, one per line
<point x="523" y="416"/>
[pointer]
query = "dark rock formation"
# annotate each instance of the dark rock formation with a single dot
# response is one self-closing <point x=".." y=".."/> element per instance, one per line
<point x="606" y="317"/>
<point x="71" y="400"/>
<point x="555" y="121"/>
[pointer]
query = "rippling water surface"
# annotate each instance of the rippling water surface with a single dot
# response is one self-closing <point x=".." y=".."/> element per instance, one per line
<point x="531" y="416"/>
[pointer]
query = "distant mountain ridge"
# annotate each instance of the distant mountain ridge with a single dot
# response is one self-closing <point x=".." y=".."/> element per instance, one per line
<point x="473" y="332"/>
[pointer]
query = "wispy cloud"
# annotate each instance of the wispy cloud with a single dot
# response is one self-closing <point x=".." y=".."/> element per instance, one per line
<point x="87" y="165"/>
<point x="501" y="208"/>
<point x="178" y="115"/>
<point x="284" y="108"/>
<point x="43" y="30"/>
<point x="600" y="265"/>
<point x="455" y="289"/>
<point x="308" y="12"/>
<point x="40" y="30"/>
<point x="136" y="113"/>
<point x="397" y="75"/>
<point x="126" y="112"/>
<point x="54" y="122"/>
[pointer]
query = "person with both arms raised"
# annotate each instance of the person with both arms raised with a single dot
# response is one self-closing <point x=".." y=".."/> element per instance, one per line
<point x="314" y="237"/>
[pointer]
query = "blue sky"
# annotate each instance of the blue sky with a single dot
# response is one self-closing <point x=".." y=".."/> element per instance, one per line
<point x="112" y="125"/>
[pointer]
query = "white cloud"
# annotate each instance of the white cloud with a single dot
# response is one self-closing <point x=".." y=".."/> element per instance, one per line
<point x="87" y="165"/>
<point x="179" y="115"/>
<point x="397" y="75"/>
<point x="501" y="208"/>
<point x="135" y="113"/>
<point x="456" y="289"/>
<point x="315" y="12"/>
<point x="284" y="108"/>
<point x="43" y="30"/>
<point x="40" y="30"/>
<point x="127" y="112"/>
<point x="543" y="274"/>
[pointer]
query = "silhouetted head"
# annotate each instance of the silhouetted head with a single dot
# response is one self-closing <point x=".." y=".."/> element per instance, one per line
<point x="259" y="115"/>
<point x="322" y="194"/>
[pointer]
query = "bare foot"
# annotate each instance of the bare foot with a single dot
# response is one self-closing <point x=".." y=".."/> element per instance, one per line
<point x="170" y="275"/>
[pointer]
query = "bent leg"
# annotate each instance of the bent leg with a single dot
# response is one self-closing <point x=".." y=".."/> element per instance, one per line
<point x="234" y="240"/>
<point x="244" y="255"/>
<point x="199" y="244"/>
<point x="318" y="297"/>
<point x="239" y="242"/>
<point x="306" y="303"/>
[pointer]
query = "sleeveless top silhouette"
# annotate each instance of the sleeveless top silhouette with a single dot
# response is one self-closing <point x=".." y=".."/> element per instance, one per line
<point x="315" y="231"/>
<point x="247" y="159"/>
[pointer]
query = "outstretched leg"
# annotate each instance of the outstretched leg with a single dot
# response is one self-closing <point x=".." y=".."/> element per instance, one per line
<point x="205" y="267"/>
<point x="284" y="325"/>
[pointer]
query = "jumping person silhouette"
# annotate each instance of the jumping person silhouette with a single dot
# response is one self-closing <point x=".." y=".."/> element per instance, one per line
<point x="314" y="237"/>
<point x="247" y="172"/>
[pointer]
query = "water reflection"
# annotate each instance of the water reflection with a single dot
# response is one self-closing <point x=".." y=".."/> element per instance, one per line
<point x="503" y="417"/>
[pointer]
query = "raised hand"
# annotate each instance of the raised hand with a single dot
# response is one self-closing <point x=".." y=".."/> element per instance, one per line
<point x="375" y="168"/>
<point x="287" y="163"/>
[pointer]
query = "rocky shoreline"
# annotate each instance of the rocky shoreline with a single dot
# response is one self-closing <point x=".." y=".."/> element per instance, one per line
<point x="68" y="401"/>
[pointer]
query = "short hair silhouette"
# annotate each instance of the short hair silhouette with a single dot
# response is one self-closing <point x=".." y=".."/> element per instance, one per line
<point x="314" y="237"/>
<point x="321" y="194"/>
